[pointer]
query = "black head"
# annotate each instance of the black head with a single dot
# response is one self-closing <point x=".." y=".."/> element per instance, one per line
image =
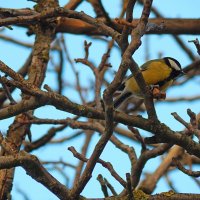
<point x="174" y="65"/>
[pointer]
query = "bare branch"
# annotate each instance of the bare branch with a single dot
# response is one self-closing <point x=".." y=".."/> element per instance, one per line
<point x="103" y="185"/>
<point x="34" y="168"/>
<point x="196" y="43"/>
<point x="107" y="165"/>
<point x="186" y="171"/>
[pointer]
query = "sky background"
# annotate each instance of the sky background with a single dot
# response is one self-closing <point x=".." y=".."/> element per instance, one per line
<point x="15" y="55"/>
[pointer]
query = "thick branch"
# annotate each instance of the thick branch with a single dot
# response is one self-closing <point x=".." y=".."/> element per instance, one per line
<point x="162" y="132"/>
<point x="34" y="168"/>
<point x="155" y="26"/>
<point x="79" y="24"/>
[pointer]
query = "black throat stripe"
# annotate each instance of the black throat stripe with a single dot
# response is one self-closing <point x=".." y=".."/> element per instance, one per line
<point x="161" y="83"/>
<point x="172" y="75"/>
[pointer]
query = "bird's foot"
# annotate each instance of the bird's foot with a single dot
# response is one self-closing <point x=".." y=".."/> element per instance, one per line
<point x="157" y="93"/>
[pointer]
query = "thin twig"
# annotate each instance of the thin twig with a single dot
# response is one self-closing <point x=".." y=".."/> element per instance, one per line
<point x="7" y="92"/>
<point x="107" y="165"/>
<point x="103" y="185"/>
<point x="181" y="120"/>
<point x="138" y="136"/>
<point x="110" y="187"/>
<point x="129" y="187"/>
<point x="86" y="47"/>
<point x="79" y="168"/>
<point x="186" y="171"/>
<point x="78" y="85"/>
<point x="196" y="43"/>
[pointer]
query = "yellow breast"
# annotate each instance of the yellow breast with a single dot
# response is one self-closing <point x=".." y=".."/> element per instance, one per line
<point x="153" y="73"/>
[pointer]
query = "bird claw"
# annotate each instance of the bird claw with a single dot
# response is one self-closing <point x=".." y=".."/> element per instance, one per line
<point x="157" y="93"/>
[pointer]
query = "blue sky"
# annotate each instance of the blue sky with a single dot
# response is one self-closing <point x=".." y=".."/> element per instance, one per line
<point x="14" y="56"/>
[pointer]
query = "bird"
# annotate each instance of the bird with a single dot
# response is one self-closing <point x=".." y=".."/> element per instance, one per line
<point x="158" y="73"/>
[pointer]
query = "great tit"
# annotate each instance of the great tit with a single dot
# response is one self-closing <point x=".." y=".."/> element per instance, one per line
<point x="158" y="72"/>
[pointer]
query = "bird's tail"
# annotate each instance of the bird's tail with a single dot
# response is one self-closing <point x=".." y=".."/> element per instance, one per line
<point x="122" y="97"/>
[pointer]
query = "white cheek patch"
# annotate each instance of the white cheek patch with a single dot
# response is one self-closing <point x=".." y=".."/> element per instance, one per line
<point x="174" y="65"/>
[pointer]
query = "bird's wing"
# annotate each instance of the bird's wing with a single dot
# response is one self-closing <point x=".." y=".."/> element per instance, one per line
<point x="122" y="86"/>
<point x="144" y="67"/>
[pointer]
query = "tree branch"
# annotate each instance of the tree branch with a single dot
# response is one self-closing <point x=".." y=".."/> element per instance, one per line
<point x="34" y="168"/>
